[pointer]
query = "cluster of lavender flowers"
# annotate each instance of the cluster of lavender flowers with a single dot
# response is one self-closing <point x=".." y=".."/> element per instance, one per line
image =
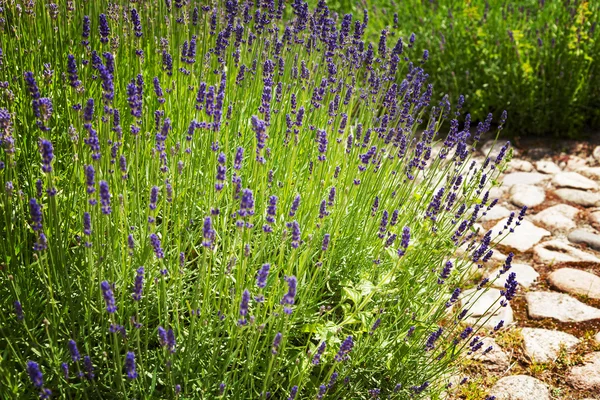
<point x="256" y="224"/>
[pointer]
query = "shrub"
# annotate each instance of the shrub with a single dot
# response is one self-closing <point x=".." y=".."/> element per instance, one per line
<point x="534" y="58"/>
<point x="200" y="202"/>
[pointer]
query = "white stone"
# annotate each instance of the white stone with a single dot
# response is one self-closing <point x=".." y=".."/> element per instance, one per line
<point x="520" y="165"/>
<point x="526" y="276"/>
<point x="485" y="309"/>
<point x="573" y="180"/>
<point x="575" y="281"/>
<point x="553" y="251"/>
<point x="579" y="197"/>
<point x="496" y="213"/>
<point x="497" y="192"/>
<point x="544" y="345"/>
<point x="586" y="376"/>
<point x="527" y="195"/>
<point x="559" y="306"/>
<point x="585" y="237"/>
<point x="590" y="172"/>
<point x="596" y="153"/>
<point x="594" y="218"/>
<point x="496" y="359"/>
<point x="520" y="387"/>
<point x="524" y="178"/>
<point x="575" y="163"/>
<point x="560" y="217"/>
<point x="547" y="167"/>
<point x="523" y="238"/>
<point x="597" y="337"/>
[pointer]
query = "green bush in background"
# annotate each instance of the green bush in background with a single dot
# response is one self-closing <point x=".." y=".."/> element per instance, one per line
<point x="537" y="58"/>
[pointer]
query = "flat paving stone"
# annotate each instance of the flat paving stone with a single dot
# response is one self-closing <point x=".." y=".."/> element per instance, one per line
<point x="496" y="213"/>
<point x="575" y="281"/>
<point x="590" y="172"/>
<point x="581" y="236"/>
<point x="524" y="178"/>
<point x="527" y="195"/>
<point x="573" y="180"/>
<point x="520" y="387"/>
<point x="579" y="197"/>
<point x="547" y="167"/>
<point x="586" y="376"/>
<point x="517" y="164"/>
<point x="560" y="218"/>
<point x="526" y="275"/>
<point x="494" y="360"/>
<point x="484" y="308"/>
<point x="544" y="345"/>
<point x="523" y="238"/>
<point x="553" y="251"/>
<point x="559" y="306"/>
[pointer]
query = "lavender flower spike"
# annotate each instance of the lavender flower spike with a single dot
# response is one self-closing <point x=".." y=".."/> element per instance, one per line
<point x="33" y="370"/>
<point x="130" y="365"/>
<point x="109" y="297"/>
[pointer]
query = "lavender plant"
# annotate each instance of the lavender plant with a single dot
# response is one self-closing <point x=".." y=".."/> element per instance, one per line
<point x="242" y="200"/>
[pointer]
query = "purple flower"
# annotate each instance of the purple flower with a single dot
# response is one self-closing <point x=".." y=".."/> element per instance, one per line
<point x="109" y="297"/>
<point x="153" y="197"/>
<point x="74" y="351"/>
<point x="33" y="370"/>
<point x="289" y="298"/>
<point x="322" y="141"/>
<point x="276" y="342"/>
<point x="155" y="242"/>
<point x="35" y="211"/>
<point x="72" y="70"/>
<point x="433" y="337"/>
<point x="221" y="171"/>
<point x="130" y="365"/>
<point x="88" y="111"/>
<point x="138" y="286"/>
<point x="19" y="310"/>
<point x="244" y="306"/>
<point x="405" y="241"/>
<point x="320" y="350"/>
<point x="137" y="24"/>
<point x="65" y="368"/>
<point x="445" y="272"/>
<point x="510" y="288"/>
<point x="47" y="152"/>
<point x="325" y="244"/>
<point x="88" y="367"/>
<point x="85" y="34"/>
<point x="104" y="29"/>
<point x="208" y="233"/>
<point x="246" y="204"/>
<point x="293" y="393"/>
<point x="105" y="198"/>
<point x="345" y="349"/>
<point x="261" y="277"/>
<point x="295" y="234"/>
<point x="295" y="205"/>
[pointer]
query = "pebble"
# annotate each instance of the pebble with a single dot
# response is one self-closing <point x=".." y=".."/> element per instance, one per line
<point x="590" y="172"/>
<point x="596" y="153"/>
<point x="526" y="195"/>
<point x="520" y="387"/>
<point x="544" y="345"/>
<point x="579" y="197"/>
<point x="523" y="238"/>
<point x="581" y="236"/>
<point x="495" y="360"/>
<point x="575" y="281"/>
<point x="484" y="308"/>
<point x="575" y="163"/>
<point x="573" y="180"/>
<point x="547" y="167"/>
<point x="597" y="337"/>
<point x="496" y="213"/>
<point x="560" y="217"/>
<point x="594" y="218"/>
<point x="559" y="306"/>
<point x="526" y="275"/>
<point x="520" y="165"/>
<point x="586" y="376"/>
<point x="553" y="251"/>
<point x="524" y="178"/>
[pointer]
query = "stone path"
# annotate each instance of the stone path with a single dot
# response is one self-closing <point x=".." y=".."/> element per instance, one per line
<point x="549" y="347"/>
